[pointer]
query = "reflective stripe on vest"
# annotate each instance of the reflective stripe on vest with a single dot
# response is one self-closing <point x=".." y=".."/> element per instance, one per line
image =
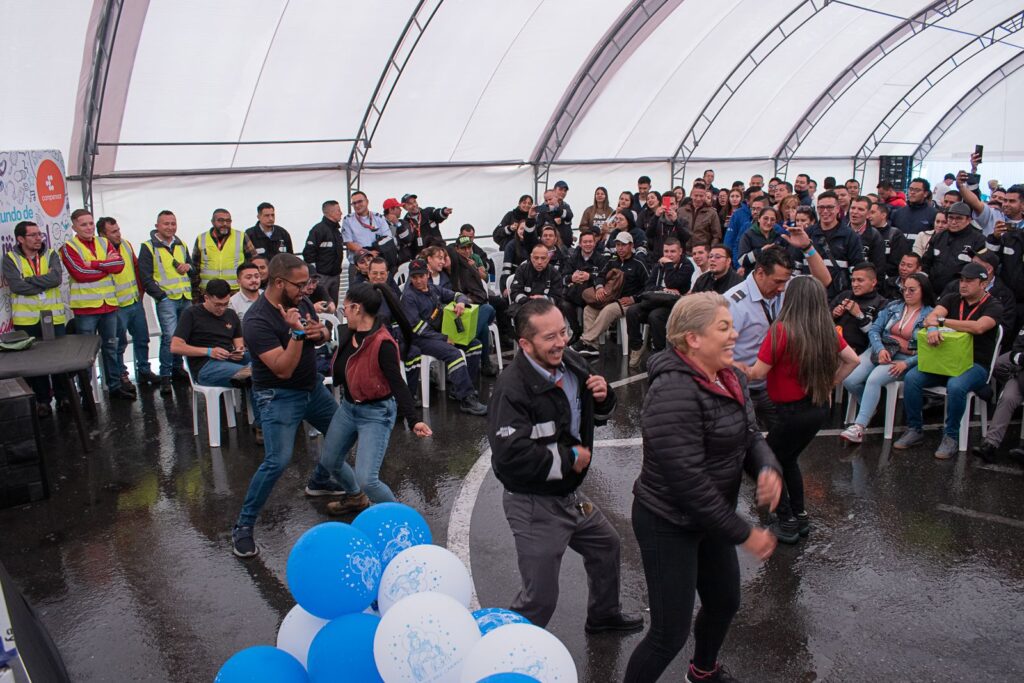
<point x="174" y="284"/>
<point x="92" y="294"/>
<point x="221" y="263"/>
<point x="25" y="308"/>
<point x="126" y="286"/>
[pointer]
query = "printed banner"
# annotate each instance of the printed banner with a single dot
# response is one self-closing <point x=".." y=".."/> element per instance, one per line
<point x="32" y="188"/>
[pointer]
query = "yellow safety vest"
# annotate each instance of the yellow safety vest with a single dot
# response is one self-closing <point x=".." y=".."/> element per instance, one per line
<point x="91" y="294"/>
<point x="216" y="262"/>
<point x="126" y="286"/>
<point x="174" y="284"/>
<point x="25" y="308"/>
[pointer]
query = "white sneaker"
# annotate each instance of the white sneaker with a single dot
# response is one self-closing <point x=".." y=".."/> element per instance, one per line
<point x="853" y="434"/>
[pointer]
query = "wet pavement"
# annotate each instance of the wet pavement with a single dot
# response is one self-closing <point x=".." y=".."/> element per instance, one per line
<point x="914" y="570"/>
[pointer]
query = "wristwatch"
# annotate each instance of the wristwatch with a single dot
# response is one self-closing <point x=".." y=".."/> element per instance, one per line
<point x="298" y="335"/>
<point x="941" y="321"/>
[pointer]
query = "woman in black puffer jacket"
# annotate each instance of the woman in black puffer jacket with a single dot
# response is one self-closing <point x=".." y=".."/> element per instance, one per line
<point x="699" y="436"/>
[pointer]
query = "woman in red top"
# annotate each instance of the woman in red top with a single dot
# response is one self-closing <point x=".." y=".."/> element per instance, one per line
<point x="803" y="358"/>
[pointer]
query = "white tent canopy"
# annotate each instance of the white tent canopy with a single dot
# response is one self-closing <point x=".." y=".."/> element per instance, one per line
<point x="468" y="103"/>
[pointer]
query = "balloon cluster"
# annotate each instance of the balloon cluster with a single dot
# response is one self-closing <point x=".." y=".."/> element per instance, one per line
<point x="377" y="602"/>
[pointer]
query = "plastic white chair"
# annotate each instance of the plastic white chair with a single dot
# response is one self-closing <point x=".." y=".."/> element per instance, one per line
<point x="426" y="362"/>
<point x="213" y="396"/>
<point x="402" y="275"/>
<point x="492" y="330"/>
<point x="498" y="259"/>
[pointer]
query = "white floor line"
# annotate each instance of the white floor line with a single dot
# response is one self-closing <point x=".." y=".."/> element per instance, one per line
<point x="462" y="516"/>
<point x="988" y="517"/>
<point x="628" y="380"/>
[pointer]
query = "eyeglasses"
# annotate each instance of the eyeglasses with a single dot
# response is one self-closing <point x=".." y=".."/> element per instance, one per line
<point x="826" y="207"/>
<point x="717" y="256"/>
<point x="300" y="285"/>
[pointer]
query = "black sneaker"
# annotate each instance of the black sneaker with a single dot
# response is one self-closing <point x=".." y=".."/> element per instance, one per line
<point x="803" y="524"/>
<point x="122" y="393"/>
<point x="1017" y="454"/>
<point x="719" y="675"/>
<point x="147" y="378"/>
<point x="471" y="405"/>
<point x="242" y="542"/>
<point x="488" y="370"/>
<point x="316" y="489"/>
<point x="621" y="622"/>
<point x="786" y="530"/>
<point x="165" y="386"/>
<point x="584" y="349"/>
<point x="985" y="451"/>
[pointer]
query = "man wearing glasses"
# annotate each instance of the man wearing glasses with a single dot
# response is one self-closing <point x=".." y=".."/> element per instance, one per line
<point x="281" y="333"/>
<point x="839" y="247"/>
<point x="362" y="230"/>
<point x="919" y="213"/>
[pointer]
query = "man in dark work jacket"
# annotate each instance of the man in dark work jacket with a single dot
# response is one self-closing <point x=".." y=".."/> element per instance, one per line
<point x="540" y="423"/>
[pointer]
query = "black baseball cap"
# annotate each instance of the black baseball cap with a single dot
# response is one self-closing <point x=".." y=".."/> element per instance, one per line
<point x="973" y="271"/>
<point x="418" y="267"/>
<point x="409" y="195"/>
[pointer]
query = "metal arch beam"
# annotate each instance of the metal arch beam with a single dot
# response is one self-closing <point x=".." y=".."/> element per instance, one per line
<point x="406" y="44"/>
<point x="972" y="97"/>
<point x="746" y="66"/>
<point x="636" y="22"/>
<point x="106" y="34"/>
<point x="857" y="69"/>
<point x="990" y="37"/>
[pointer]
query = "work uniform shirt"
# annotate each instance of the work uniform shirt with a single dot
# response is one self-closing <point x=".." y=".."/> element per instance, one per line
<point x="752" y="315"/>
<point x="365" y="231"/>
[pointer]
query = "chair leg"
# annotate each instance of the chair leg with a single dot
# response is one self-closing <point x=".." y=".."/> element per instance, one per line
<point x="425" y="380"/>
<point x="496" y="345"/>
<point x="851" y="409"/>
<point x="213" y="420"/>
<point x="965" y="423"/>
<point x="892" y="394"/>
<point x="230" y="408"/>
<point x="623" y="336"/>
<point x="195" y="412"/>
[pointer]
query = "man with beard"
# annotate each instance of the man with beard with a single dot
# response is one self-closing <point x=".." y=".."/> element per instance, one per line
<point x="248" y="289"/>
<point x="720" y="276"/>
<point x="219" y="251"/>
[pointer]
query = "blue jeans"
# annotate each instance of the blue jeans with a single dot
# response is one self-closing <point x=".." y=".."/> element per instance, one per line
<point x="218" y="373"/>
<point x="483" y="334"/>
<point x="957" y="389"/>
<point x="168" y="311"/>
<point x="866" y="382"/>
<point x="282" y="411"/>
<point x="106" y="325"/>
<point x="368" y="427"/>
<point x="132" y="320"/>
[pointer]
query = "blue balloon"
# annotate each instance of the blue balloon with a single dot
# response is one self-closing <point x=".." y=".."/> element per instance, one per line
<point x="333" y="569"/>
<point x="262" y="663"/>
<point x="345" y="646"/>
<point x="392" y="527"/>
<point x="491" y="618"/>
<point x="508" y="678"/>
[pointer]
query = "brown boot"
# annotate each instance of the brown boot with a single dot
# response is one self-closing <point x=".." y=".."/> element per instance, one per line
<point x="351" y="504"/>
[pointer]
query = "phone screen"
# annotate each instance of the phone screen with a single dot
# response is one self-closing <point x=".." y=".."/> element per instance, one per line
<point x="666" y="203"/>
<point x="979" y="150"/>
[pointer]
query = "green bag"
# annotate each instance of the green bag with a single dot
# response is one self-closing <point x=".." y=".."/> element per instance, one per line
<point x="953" y="357"/>
<point x="469" y="319"/>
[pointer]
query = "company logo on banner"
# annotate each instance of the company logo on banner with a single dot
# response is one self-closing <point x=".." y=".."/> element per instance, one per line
<point x="32" y="188"/>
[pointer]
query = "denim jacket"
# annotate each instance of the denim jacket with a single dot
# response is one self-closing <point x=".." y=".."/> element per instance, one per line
<point x="890" y="314"/>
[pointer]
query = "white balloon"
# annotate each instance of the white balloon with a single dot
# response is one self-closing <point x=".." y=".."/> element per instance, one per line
<point x="520" y="648"/>
<point x="424" y="568"/>
<point x="424" y="639"/>
<point x="297" y="632"/>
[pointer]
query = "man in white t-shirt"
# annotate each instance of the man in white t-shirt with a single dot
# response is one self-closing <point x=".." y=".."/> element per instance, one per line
<point x="248" y="274"/>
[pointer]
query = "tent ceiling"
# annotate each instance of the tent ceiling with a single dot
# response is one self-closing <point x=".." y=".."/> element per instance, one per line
<point x="488" y="79"/>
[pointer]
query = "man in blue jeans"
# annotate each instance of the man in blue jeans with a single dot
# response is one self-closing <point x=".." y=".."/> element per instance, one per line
<point x="972" y="310"/>
<point x="281" y="332"/>
<point x="210" y="336"/>
<point x="166" y="272"/>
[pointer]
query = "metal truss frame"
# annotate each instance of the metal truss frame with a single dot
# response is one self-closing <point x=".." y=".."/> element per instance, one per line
<point x="406" y="44"/>
<point x="994" y="35"/>
<point x="639" y="19"/>
<point x="755" y="56"/>
<point x="859" y="68"/>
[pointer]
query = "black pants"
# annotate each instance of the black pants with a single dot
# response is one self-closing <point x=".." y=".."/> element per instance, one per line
<point x="677" y="565"/>
<point x="796" y="424"/>
<point x="655" y="316"/>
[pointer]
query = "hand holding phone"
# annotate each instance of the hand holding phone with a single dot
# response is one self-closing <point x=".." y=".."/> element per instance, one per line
<point x="978" y="151"/>
<point x="666" y="202"/>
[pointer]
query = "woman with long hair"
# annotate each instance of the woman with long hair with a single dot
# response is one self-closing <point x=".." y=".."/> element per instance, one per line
<point x="893" y="350"/>
<point x="787" y="210"/>
<point x="649" y="212"/>
<point x="699" y="437"/>
<point x="626" y="204"/>
<point x="438" y="265"/>
<point x="803" y="358"/>
<point x="369" y="372"/>
<point x="923" y="238"/>
<point x="598" y="212"/>
<point x="734" y="201"/>
<point x="762" y="232"/>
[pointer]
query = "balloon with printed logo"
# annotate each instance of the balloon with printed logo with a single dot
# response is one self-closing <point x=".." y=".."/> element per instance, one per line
<point x="392" y="527"/>
<point x="424" y="568"/>
<point x="491" y="618"/>
<point x="343" y="651"/>
<point x="523" y="649"/>
<point x="424" y="638"/>
<point x="333" y="569"/>
<point x="262" y="663"/>
<point x="297" y="631"/>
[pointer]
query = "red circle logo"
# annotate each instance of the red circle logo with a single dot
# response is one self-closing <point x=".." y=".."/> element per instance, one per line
<point x="50" y="188"/>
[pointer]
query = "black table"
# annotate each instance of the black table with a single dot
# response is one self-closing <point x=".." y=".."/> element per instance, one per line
<point x="62" y="357"/>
